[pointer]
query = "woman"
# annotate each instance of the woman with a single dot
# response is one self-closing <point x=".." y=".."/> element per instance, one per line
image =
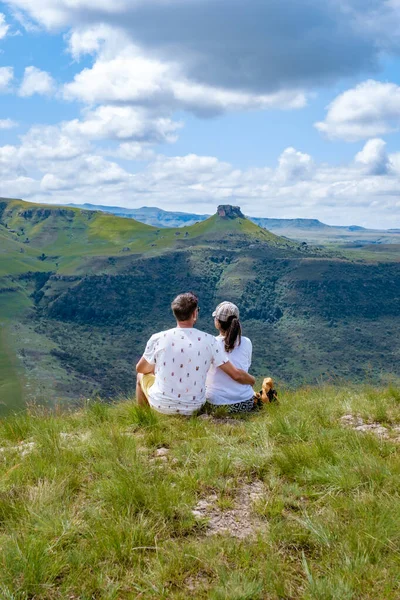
<point x="221" y="390"/>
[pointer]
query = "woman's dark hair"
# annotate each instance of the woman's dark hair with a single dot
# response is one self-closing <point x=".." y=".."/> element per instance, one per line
<point x="184" y="306"/>
<point x="232" y="331"/>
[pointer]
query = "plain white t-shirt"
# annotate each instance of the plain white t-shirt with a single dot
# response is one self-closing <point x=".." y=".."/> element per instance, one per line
<point x="222" y="389"/>
<point x="182" y="358"/>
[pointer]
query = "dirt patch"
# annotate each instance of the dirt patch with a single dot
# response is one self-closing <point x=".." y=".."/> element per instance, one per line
<point x="357" y="423"/>
<point x="193" y="583"/>
<point x="238" y="521"/>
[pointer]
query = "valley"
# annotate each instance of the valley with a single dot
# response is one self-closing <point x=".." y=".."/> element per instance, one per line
<point x="81" y="292"/>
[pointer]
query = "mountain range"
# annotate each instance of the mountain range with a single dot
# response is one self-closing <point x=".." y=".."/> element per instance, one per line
<point x="81" y="291"/>
<point x="309" y="230"/>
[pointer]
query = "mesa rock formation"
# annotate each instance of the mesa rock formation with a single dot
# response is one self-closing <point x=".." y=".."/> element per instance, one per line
<point x="228" y="211"/>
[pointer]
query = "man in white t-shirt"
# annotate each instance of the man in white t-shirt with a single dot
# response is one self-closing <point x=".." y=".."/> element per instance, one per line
<point x="171" y="375"/>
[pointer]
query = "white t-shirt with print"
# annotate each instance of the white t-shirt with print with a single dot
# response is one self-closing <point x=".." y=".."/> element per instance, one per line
<point x="222" y="389"/>
<point x="182" y="358"/>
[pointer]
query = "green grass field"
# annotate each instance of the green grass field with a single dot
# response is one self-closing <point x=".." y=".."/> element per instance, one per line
<point x="291" y="503"/>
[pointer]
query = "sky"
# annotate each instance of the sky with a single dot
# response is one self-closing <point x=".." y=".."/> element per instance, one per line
<point x="287" y="108"/>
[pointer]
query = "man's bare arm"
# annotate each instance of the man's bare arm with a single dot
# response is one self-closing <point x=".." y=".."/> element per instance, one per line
<point x="144" y="367"/>
<point x="237" y="374"/>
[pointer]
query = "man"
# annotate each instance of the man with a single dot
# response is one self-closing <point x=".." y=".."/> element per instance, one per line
<point x="172" y="371"/>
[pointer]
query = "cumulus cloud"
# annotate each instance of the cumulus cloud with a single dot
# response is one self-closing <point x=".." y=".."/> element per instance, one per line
<point x="36" y="81"/>
<point x="294" y="166"/>
<point x="90" y="170"/>
<point x="132" y="77"/>
<point x="51" y="161"/>
<point x="374" y="158"/>
<point x="38" y="148"/>
<point x="124" y="123"/>
<point x="8" y="124"/>
<point x="133" y="151"/>
<point x="4" y="27"/>
<point x="6" y="77"/>
<point x="256" y="46"/>
<point x="370" y="109"/>
<point x="90" y="40"/>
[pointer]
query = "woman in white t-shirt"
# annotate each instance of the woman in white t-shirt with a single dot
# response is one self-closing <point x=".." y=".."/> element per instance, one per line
<point x="221" y="390"/>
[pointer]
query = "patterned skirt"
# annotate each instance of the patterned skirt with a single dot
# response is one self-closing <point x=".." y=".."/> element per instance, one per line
<point x="241" y="407"/>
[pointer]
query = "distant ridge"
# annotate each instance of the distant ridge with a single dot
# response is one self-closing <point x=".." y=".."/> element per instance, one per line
<point x="311" y="230"/>
<point x="150" y="215"/>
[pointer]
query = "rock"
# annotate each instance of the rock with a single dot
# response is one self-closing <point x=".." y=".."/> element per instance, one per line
<point x="161" y="452"/>
<point x="205" y="417"/>
<point x="375" y="428"/>
<point x="227" y="211"/>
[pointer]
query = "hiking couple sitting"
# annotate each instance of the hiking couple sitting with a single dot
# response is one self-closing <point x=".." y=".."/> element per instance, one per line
<point x="183" y="367"/>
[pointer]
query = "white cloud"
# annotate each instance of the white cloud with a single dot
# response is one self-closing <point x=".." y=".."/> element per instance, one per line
<point x="124" y="123"/>
<point x="374" y="157"/>
<point x="36" y="81"/>
<point x="4" y="27"/>
<point x="133" y="151"/>
<point x="6" y="77"/>
<point x="88" y="171"/>
<point x="255" y="46"/>
<point x="132" y="77"/>
<point x="8" y="124"/>
<point x="58" y="13"/>
<point x="91" y="40"/>
<point x="294" y="165"/>
<point x="40" y="147"/>
<point x="370" y="109"/>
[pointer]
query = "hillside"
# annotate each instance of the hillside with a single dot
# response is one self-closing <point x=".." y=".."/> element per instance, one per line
<point x="81" y="292"/>
<point x="312" y="231"/>
<point x="299" y="502"/>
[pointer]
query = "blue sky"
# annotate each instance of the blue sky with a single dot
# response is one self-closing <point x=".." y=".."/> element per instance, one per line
<point x="289" y="108"/>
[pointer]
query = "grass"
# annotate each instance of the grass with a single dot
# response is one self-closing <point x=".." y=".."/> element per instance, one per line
<point x="89" y="511"/>
<point x="10" y="381"/>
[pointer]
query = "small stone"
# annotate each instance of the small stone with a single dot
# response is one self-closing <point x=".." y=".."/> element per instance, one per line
<point x="162" y="452"/>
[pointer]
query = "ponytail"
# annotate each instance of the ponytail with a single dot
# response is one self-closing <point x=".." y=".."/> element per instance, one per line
<point x="232" y="330"/>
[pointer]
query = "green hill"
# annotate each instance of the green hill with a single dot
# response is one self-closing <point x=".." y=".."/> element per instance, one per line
<point x="312" y="231"/>
<point x="82" y="291"/>
<point x="299" y="501"/>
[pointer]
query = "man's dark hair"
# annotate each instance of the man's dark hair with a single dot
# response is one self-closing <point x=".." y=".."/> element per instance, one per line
<point x="184" y="306"/>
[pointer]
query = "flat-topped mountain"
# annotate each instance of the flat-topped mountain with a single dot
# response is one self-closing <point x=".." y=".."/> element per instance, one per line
<point x="309" y="230"/>
<point x="81" y="292"/>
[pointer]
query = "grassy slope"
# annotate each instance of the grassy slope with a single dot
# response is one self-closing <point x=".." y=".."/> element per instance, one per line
<point x="10" y="375"/>
<point x="71" y="238"/>
<point x="92" y="513"/>
<point x="13" y="304"/>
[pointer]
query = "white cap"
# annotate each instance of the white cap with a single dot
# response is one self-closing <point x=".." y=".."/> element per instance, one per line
<point x="226" y="310"/>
